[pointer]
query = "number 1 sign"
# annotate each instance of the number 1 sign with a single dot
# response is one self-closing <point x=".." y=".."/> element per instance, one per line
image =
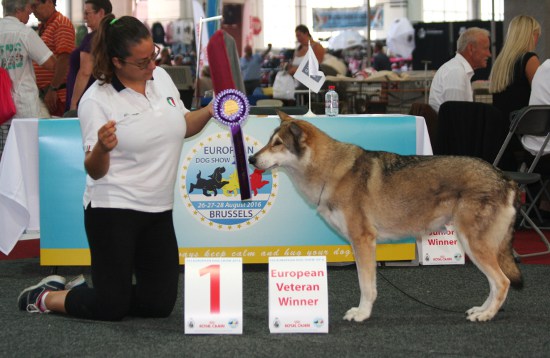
<point x="213" y="296"/>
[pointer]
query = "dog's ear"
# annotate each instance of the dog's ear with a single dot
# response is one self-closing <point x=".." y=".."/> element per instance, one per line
<point x="296" y="131"/>
<point x="284" y="117"/>
<point x="297" y="134"/>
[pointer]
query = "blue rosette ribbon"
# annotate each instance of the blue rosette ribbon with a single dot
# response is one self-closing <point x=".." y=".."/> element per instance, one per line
<point x="231" y="108"/>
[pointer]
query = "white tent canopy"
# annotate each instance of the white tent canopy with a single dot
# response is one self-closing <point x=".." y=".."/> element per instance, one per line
<point x="346" y="39"/>
<point x="400" y="38"/>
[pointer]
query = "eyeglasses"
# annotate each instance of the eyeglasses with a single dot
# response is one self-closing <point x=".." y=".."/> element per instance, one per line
<point x="143" y="64"/>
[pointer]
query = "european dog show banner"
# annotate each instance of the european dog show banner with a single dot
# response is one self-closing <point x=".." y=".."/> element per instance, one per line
<point x="213" y="296"/>
<point x="210" y="218"/>
<point x="298" y="294"/>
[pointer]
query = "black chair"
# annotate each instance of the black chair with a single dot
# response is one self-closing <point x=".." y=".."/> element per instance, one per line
<point x="430" y="116"/>
<point x="472" y="129"/>
<point x="530" y="120"/>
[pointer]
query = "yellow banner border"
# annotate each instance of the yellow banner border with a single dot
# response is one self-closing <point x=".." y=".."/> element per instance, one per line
<point x="250" y="255"/>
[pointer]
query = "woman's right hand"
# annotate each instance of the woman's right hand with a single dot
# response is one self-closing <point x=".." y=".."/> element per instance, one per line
<point x="106" y="136"/>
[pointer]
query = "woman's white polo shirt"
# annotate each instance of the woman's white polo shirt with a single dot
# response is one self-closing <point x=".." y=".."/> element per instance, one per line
<point x="150" y="131"/>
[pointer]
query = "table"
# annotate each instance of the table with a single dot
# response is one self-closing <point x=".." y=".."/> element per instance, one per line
<point x="19" y="173"/>
<point x="19" y="194"/>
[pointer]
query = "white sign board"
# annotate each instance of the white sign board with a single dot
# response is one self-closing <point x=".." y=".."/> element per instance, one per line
<point x="298" y="294"/>
<point x="442" y="248"/>
<point x="213" y="296"/>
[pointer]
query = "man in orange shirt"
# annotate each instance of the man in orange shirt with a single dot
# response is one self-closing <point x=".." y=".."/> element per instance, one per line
<point x="58" y="34"/>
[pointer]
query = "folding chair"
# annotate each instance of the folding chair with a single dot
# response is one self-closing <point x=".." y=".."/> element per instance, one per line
<point x="530" y="120"/>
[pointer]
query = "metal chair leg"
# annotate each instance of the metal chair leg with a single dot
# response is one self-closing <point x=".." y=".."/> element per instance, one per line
<point x="541" y="236"/>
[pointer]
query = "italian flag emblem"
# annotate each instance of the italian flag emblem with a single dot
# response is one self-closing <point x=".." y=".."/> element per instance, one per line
<point x="171" y="101"/>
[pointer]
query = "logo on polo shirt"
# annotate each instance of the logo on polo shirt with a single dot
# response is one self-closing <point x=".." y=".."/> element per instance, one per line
<point x="209" y="184"/>
<point x="171" y="101"/>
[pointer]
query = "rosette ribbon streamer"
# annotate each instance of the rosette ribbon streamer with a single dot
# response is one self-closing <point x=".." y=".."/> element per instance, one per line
<point x="231" y="109"/>
<point x="230" y="105"/>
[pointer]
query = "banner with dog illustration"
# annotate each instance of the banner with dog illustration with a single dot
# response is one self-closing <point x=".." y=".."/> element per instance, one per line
<point x="210" y="218"/>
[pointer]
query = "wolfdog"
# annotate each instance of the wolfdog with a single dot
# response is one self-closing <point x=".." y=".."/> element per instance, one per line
<point x="367" y="195"/>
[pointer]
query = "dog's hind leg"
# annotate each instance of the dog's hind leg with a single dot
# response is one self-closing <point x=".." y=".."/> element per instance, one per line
<point x="482" y="246"/>
<point x="365" y="258"/>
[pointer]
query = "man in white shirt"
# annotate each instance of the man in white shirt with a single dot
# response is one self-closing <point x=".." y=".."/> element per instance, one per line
<point x="540" y="94"/>
<point x="452" y="80"/>
<point x="19" y="47"/>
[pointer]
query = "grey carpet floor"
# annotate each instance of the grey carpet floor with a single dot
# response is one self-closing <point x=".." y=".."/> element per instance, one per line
<point x="419" y="313"/>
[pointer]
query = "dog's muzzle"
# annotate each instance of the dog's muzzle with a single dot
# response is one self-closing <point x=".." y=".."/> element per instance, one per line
<point x="252" y="160"/>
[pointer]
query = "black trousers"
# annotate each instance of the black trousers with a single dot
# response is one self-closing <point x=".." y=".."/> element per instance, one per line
<point x="135" y="266"/>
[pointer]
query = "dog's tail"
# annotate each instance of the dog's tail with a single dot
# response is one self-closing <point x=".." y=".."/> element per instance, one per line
<point x="506" y="258"/>
<point x="509" y="266"/>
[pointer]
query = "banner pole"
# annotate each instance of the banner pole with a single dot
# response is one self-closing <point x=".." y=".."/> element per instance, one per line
<point x="309" y="112"/>
<point x="196" y="104"/>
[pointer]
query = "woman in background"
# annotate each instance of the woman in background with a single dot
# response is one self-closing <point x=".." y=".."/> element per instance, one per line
<point x="304" y="38"/>
<point x="515" y="66"/>
<point x="511" y="77"/>
<point x="80" y="78"/>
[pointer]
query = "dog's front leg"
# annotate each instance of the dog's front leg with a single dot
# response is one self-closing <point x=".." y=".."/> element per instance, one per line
<point x="364" y="250"/>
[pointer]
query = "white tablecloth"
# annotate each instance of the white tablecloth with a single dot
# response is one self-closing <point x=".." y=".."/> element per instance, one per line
<point x="19" y="179"/>
<point x="19" y="193"/>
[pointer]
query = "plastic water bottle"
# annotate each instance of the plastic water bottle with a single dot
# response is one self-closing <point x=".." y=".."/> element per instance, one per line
<point x="331" y="102"/>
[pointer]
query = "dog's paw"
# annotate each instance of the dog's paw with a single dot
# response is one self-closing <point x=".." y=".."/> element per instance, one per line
<point x="477" y="314"/>
<point x="357" y="315"/>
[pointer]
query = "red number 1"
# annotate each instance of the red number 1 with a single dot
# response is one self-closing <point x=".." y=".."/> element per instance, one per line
<point x="214" y="271"/>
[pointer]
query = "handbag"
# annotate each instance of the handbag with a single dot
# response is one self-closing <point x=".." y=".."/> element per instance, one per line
<point x="7" y="106"/>
<point x="283" y="86"/>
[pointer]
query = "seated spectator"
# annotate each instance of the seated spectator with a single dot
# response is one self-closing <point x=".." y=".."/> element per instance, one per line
<point x="205" y="82"/>
<point x="380" y="61"/>
<point x="452" y="80"/>
<point x="178" y="60"/>
<point x="165" y="57"/>
<point x="540" y="94"/>
<point x="515" y="66"/>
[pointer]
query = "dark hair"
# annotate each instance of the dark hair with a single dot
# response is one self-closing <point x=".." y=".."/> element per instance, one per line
<point x="114" y="38"/>
<point x="101" y="4"/>
<point x="303" y="29"/>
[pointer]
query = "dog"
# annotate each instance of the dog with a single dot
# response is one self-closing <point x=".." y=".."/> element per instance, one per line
<point x="367" y="195"/>
<point x="213" y="184"/>
<point x="232" y="187"/>
<point x="256" y="181"/>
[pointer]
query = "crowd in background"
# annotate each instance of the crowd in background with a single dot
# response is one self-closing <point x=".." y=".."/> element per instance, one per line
<point x="58" y="78"/>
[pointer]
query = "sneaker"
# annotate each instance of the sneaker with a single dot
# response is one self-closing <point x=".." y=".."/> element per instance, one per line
<point x="78" y="281"/>
<point x="29" y="298"/>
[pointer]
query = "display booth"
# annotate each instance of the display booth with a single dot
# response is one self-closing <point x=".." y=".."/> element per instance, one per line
<point x="210" y="218"/>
